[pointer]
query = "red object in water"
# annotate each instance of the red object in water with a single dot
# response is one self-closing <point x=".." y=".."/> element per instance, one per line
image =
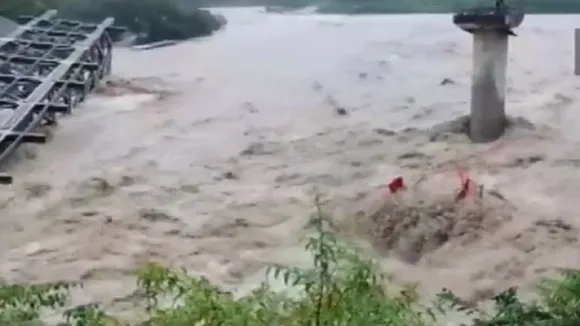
<point x="465" y="188"/>
<point x="396" y="184"/>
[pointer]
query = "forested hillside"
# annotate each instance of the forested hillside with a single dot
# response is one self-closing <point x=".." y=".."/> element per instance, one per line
<point x="434" y="6"/>
<point x="401" y="6"/>
<point x="155" y="19"/>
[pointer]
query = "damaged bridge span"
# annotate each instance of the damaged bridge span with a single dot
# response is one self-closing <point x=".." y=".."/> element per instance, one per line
<point x="47" y="67"/>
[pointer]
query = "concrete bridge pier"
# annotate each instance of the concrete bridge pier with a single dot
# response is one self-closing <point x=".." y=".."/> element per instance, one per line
<point x="491" y="28"/>
<point x="488" y="83"/>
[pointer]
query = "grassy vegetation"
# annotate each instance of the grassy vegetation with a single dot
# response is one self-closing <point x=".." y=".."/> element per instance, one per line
<point x="342" y="288"/>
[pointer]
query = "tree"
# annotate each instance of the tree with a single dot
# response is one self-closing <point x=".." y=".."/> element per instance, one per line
<point x="157" y="20"/>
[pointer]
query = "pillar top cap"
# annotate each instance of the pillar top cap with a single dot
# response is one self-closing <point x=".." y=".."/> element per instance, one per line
<point x="499" y="17"/>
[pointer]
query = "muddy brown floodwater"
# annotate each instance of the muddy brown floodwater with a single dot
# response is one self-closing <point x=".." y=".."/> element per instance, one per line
<point x="201" y="155"/>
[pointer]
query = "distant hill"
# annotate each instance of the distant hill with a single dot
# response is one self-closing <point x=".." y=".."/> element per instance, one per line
<point x="443" y="6"/>
<point x="156" y="20"/>
<point x="398" y="6"/>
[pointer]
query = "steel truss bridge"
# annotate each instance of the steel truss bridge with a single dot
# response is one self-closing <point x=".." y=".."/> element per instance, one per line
<point x="47" y="67"/>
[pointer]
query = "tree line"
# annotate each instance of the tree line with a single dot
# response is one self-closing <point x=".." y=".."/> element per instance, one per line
<point x="400" y="6"/>
<point x="154" y="20"/>
<point x="443" y="6"/>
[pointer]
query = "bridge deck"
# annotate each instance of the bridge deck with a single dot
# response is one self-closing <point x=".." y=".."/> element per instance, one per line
<point x="47" y="67"/>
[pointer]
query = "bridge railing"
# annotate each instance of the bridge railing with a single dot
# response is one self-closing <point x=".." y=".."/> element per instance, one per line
<point x="47" y="67"/>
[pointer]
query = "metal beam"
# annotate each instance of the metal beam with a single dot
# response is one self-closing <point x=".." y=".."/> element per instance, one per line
<point x="22" y="29"/>
<point x="45" y="71"/>
<point x="57" y="74"/>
